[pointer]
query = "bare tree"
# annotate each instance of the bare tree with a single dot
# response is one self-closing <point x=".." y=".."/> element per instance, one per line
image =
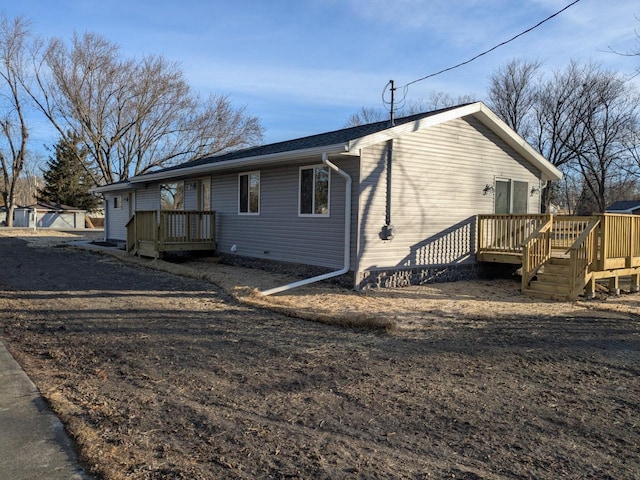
<point x="133" y="116"/>
<point x="580" y="119"/>
<point x="512" y="93"/>
<point x="605" y="134"/>
<point x="436" y="101"/>
<point x="14" y="35"/>
<point x="633" y="51"/>
<point x="26" y="189"/>
<point x="367" y="115"/>
<point x="554" y="130"/>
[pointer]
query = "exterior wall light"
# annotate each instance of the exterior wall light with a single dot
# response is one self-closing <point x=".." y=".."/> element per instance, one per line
<point x="487" y="189"/>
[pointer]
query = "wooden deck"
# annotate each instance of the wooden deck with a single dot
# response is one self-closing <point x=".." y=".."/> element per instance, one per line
<point x="151" y="233"/>
<point x="563" y="255"/>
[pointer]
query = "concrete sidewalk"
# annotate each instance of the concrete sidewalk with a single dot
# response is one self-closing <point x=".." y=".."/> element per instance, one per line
<point x="33" y="443"/>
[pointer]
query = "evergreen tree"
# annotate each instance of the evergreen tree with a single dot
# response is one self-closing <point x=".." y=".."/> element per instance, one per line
<point x="66" y="179"/>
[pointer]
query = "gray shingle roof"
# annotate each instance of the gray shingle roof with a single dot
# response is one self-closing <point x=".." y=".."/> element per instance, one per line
<point x="624" y="205"/>
<point x="320" y="140"/>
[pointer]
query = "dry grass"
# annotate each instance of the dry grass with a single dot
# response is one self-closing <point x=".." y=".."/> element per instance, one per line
<point x="408" y="308"/>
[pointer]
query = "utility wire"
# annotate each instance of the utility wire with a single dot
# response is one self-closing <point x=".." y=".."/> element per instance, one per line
<point x="493" y="48"/>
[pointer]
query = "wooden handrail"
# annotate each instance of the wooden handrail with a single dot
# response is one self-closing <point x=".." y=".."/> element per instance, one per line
<point x="587" y="231"/>
<point x="583" y="255"/>
<point x="507" y="233"/>
<point x="187" y="226"/>
<point x="536" y="250"/>
<point x="171" y="229"/>
<point x="567" y="228"/>
<point x="599" y="246"/>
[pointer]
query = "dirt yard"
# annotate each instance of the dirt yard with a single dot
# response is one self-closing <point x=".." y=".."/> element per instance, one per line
<point x="165" y="376"/>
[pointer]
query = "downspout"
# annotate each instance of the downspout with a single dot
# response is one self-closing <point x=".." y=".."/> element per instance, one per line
<point x="106" y="219"/>
<point x="387" y="230"/>
<point x="347" y="236"/>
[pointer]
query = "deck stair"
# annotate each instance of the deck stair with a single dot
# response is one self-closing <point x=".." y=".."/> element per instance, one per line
<point x="553" y="281"/>
<point x="563" y="256"/>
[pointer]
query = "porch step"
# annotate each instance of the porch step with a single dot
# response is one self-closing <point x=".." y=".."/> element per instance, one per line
<point x="553" y="281"/>
<point x="561" y="297"/>
<point x="552" y="278"/>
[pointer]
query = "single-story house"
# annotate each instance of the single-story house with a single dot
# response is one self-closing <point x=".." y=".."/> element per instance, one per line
<point x="624" y="206"/>
<point x="49" y="215"/>
<point x="391" y="204"/>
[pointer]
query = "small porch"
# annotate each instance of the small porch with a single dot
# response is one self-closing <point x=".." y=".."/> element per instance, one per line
<point x="151" y="233"/>
<point x="563" y="255"/>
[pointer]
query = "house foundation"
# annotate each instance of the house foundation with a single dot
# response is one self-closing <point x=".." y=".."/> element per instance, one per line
<point x="404" y="277"/>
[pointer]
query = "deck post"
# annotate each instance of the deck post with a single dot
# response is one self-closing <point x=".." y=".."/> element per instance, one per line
<point x="590" y="288"/>
<point x="635" y="283"/>
<point x="603" y="243"/>
<point x="632" y="238"/>
<point x="614" y="285"/>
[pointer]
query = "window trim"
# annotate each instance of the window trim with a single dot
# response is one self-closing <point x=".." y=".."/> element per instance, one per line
<point x="179" y="184"/>
<point x="248" y="175"/>
<point x="204" y="183"/>
<point x="511" y="182"/>
<point x="117" y="202"/>
<point x="313" y="199"/>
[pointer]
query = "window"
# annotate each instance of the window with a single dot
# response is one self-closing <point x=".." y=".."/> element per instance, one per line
<point x="520" y="197"/>
<point x="172" y="196"/>
<point x="117" y="202"/>
<point x="314" y="191"/>
<point x="511" y="196"/>
<point x="249" y="193"/>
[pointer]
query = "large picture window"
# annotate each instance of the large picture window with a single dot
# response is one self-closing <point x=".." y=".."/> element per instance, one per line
<point x="314" y="191"/>
<point x="172" y="196"/>
<point x="249" y="193"/>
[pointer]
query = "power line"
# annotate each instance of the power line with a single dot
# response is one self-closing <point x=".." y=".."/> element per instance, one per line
<point x="494" y="47"/>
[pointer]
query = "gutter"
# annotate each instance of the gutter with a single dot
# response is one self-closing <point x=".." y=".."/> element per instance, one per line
<point x="248" y="162"/>
<point x="347" y="236"/>
<point x="242" y="161"/>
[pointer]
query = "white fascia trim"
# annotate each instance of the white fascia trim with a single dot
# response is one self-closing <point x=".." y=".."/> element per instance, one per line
<point x="482" y="113"/>
<point x="112" y="187"/>
<point x="245" y="162"/>
<point x="414" y="126"/>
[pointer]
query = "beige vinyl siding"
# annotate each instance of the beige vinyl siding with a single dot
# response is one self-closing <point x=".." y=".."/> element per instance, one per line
<point x="278" y="232"/>
<point x="437" y="190"/>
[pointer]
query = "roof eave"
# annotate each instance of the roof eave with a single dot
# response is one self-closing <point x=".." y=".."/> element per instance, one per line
<point x="244" y="162"/>
<point x="112" y="187"/>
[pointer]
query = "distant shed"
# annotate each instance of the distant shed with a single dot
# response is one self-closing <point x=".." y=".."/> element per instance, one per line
<point x="49" y="215"/>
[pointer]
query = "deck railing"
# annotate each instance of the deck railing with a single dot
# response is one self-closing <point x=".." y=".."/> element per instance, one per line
<point x="620" y="247"/>
<point x="583" y="256"/>
<point x="536" y="250"/>
<point x="507" y="233"/>
<point x="142" y="226"/>
<point x="599" y="247"/>
<point x="566" y="229"/>
<point x="165" y="230"/>
<point x="186" y="227"/>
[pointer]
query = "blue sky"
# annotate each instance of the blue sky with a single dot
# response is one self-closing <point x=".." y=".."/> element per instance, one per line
<point x="304" y="66"/>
